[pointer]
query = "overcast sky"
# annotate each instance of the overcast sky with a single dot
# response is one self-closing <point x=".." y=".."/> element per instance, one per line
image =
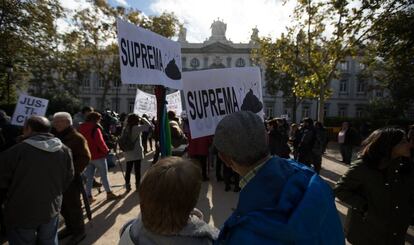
<point x="269" y="16"/>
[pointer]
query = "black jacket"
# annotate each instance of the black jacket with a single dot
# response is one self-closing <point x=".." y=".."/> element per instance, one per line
<point x="307" y="140"/>
<point x="278" y="142"/>
<point x="321" y="141"/>
<point x="35" y="173"/>
<point x="352" y="138"/>
<point x="381" y="202"/>
<point x="9" y="133"/>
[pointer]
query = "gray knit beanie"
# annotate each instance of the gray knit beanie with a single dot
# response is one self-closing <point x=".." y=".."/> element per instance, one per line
<point x="242" y="136"/>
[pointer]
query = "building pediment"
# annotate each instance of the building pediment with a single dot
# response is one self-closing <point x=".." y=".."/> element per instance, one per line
<point x="217" y="47"/>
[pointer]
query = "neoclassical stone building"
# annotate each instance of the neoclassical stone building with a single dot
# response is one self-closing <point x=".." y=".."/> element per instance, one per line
<point x="349" y="99"/>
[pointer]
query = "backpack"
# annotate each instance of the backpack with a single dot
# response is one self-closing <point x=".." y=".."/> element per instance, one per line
<point x="109" y="139"/>
<point x="125" y="142"/>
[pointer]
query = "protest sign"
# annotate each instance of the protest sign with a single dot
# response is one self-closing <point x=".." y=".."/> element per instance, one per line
<point x="174" y="103"/>
<point x="212" y="94"/>
<point x="27" y="106"/>
<point x="284" y="116"/>
<point x="148" y="58"/>
<point x="145" y="103"/>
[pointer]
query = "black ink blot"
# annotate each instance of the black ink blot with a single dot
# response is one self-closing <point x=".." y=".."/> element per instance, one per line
<point x="172" y="70"/>
<point x="251" y="103"/>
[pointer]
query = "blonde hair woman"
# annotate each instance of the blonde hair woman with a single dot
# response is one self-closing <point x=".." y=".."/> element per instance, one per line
<point x="168" y="194"/>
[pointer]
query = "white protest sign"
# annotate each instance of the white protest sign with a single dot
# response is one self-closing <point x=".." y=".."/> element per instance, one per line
<point x="148" y="58"/>
<point x="145" y="103"/>
<point x="212" y="94"/>
<point x="284" y="116"/>
<point x="174" y="103"/>
<point x="27" y="106"/>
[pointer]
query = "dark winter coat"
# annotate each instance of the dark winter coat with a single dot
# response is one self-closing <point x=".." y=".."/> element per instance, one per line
<point x="9" y="133"/>
<point x="321" y="141"/>
<point x="307" y="140"/>
<point x="278" y="142"/>
<point x="35" y="173"/>
<point x="305" y="153"/>
<point x="352" y="138"/>
<point x="381" y="202"/>
<point x="296" y="138"/>
<point x="79" y="147"/>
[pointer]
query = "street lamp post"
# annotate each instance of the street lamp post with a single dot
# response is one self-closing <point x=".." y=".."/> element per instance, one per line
<point x="9" y="70"/>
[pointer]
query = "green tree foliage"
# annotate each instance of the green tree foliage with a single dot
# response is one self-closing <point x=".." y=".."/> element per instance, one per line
<point x="391" y="60"/>
<point x="31" y="47"/>
<point x="52" y="64"/>
<point x="98" y="46"/>
<point x="284" y="64"/>
<point x="28" y="37"/>
<point x="329" y="32"/>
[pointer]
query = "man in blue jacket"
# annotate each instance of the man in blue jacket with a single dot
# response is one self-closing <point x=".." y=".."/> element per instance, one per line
<point x="281" y="201"/>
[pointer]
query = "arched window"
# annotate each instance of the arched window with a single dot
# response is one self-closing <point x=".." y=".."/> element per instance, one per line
<point x="195" y="63"/>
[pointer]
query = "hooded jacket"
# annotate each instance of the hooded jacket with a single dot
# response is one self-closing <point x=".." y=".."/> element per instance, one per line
<point x="196" y="232"/>
<point x="96" y="143"/>
<point x="285" y="203"/>
<point x="35" y="173"/>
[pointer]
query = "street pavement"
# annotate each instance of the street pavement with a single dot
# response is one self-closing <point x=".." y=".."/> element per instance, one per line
<point x="214" y="202"/>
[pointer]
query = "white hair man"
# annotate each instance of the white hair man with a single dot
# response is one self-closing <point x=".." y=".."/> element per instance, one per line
<point x="71" y="205"/>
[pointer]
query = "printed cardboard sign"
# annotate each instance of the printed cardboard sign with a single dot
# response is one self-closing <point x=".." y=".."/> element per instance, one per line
<point x="27" y="106"/>
<point x="148" y="58"/>
<point x="146" y="103"/>
<point x="284" y="116"/>
<point x="212" y="94"/>
<point x="174" y="103"/>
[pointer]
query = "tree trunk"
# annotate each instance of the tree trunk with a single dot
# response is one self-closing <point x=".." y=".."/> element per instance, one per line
<point x="104" y="94"/>
<point x="294" y="108"/>
<point x="321" y="108"/>
<point x="309" y="30"/>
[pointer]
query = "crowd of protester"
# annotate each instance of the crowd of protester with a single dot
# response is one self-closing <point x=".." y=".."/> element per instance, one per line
<point x="46" y="166"/>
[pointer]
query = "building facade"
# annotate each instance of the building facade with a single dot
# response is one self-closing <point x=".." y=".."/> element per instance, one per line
<point x="350" y="96"/>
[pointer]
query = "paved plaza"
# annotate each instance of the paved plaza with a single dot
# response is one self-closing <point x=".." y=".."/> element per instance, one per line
<point x="214" y="202"/>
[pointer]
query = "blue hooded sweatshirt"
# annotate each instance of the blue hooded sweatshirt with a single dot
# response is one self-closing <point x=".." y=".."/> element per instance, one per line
<point x="285" y="203"/>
